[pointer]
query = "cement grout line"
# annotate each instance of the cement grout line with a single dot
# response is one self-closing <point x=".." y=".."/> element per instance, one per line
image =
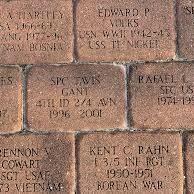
<point x="75" y="50"/>
<point x="184" y="144"/>
<point x="176" y="29"/>
<point x="128" y="63"/>
<point x="77" y="177"/>
<point x="129" y="103"/>
<point x="23" y="98"/>
<point x="126" y="98"/>
<point x="115" y="130"/>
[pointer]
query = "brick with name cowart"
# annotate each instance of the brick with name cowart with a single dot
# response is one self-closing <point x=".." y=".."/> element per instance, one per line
<point x="162" y="95"/>
<point x="185" y="14"/>
<point x="76" y="97"/>
<point x="36" y="32"/>
<point x="11" y="99"/>
<point x="37" y="164"/>
<point x="123" y="162"/>
<point x="125" y="30"/>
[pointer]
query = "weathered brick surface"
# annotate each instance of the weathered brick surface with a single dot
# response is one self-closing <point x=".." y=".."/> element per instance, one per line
<point x="123" y="162"/>
<point x="162" y="95"/>
<point x="189" y="157"/>
<point x="36" y="31"/>
<point x="37" y="164"/>
<point x="76" y="97"/>
<point x="125" y="30"/>
<point x="185" y="11"/>
<point x="10" y="99"/>
<point x="88" y="97"/>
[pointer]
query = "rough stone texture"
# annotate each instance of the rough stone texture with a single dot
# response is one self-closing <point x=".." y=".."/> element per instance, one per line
<point x="112" y="30"/>
<point x="162" y="95"/>
<point x="76" y="97"/>
<point x="185" y="11"/>
<point x="189" y="157"/>
<point x="134" y="163"/>
<point x="37" y="164"/>
<point x="36" y="31"/>
<point x="11" y="99"/>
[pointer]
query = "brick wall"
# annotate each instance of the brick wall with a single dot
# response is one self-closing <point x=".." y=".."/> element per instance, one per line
<point x="97" y="97"/>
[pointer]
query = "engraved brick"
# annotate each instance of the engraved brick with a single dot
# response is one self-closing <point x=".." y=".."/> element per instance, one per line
<point x="162" y="95"/>
<point x="36" y="31"/>
<point x="76" y="97"/>
<point x="189" y="157"/>
<point x="37" y="164"/>
<point x="124" y="162"/>
<point x="185" y="11"/>
<point x="11" y="99"/>
<point x="125" y="30"/>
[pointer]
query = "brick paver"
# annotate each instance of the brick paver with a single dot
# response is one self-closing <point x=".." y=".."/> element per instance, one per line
<point x="113" y="30"/>
<point x="162" y="95"/>
<point x="37" y="164"/>
<point x="76" y="97"/>
<point x="36" y="32"/>
<point x="10" y="99"/>
<point x="134" y="163"/>
<point x="185" y="27"/>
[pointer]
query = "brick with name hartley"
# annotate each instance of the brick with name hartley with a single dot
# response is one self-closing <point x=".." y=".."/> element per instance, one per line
<point x="40" y="32"/>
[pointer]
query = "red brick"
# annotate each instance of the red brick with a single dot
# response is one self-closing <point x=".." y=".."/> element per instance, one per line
<point x="162" y="95"/>
<point x="37" y="164"/>
<point x="185" y="11"/>
<point x="93" y="97"/>
<point x="11" y="99"/>
<point x="36" y="31"/>
<point x="189" y="157"/>
<point x="145" y="30"/>
<point x="124" y="162"/>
